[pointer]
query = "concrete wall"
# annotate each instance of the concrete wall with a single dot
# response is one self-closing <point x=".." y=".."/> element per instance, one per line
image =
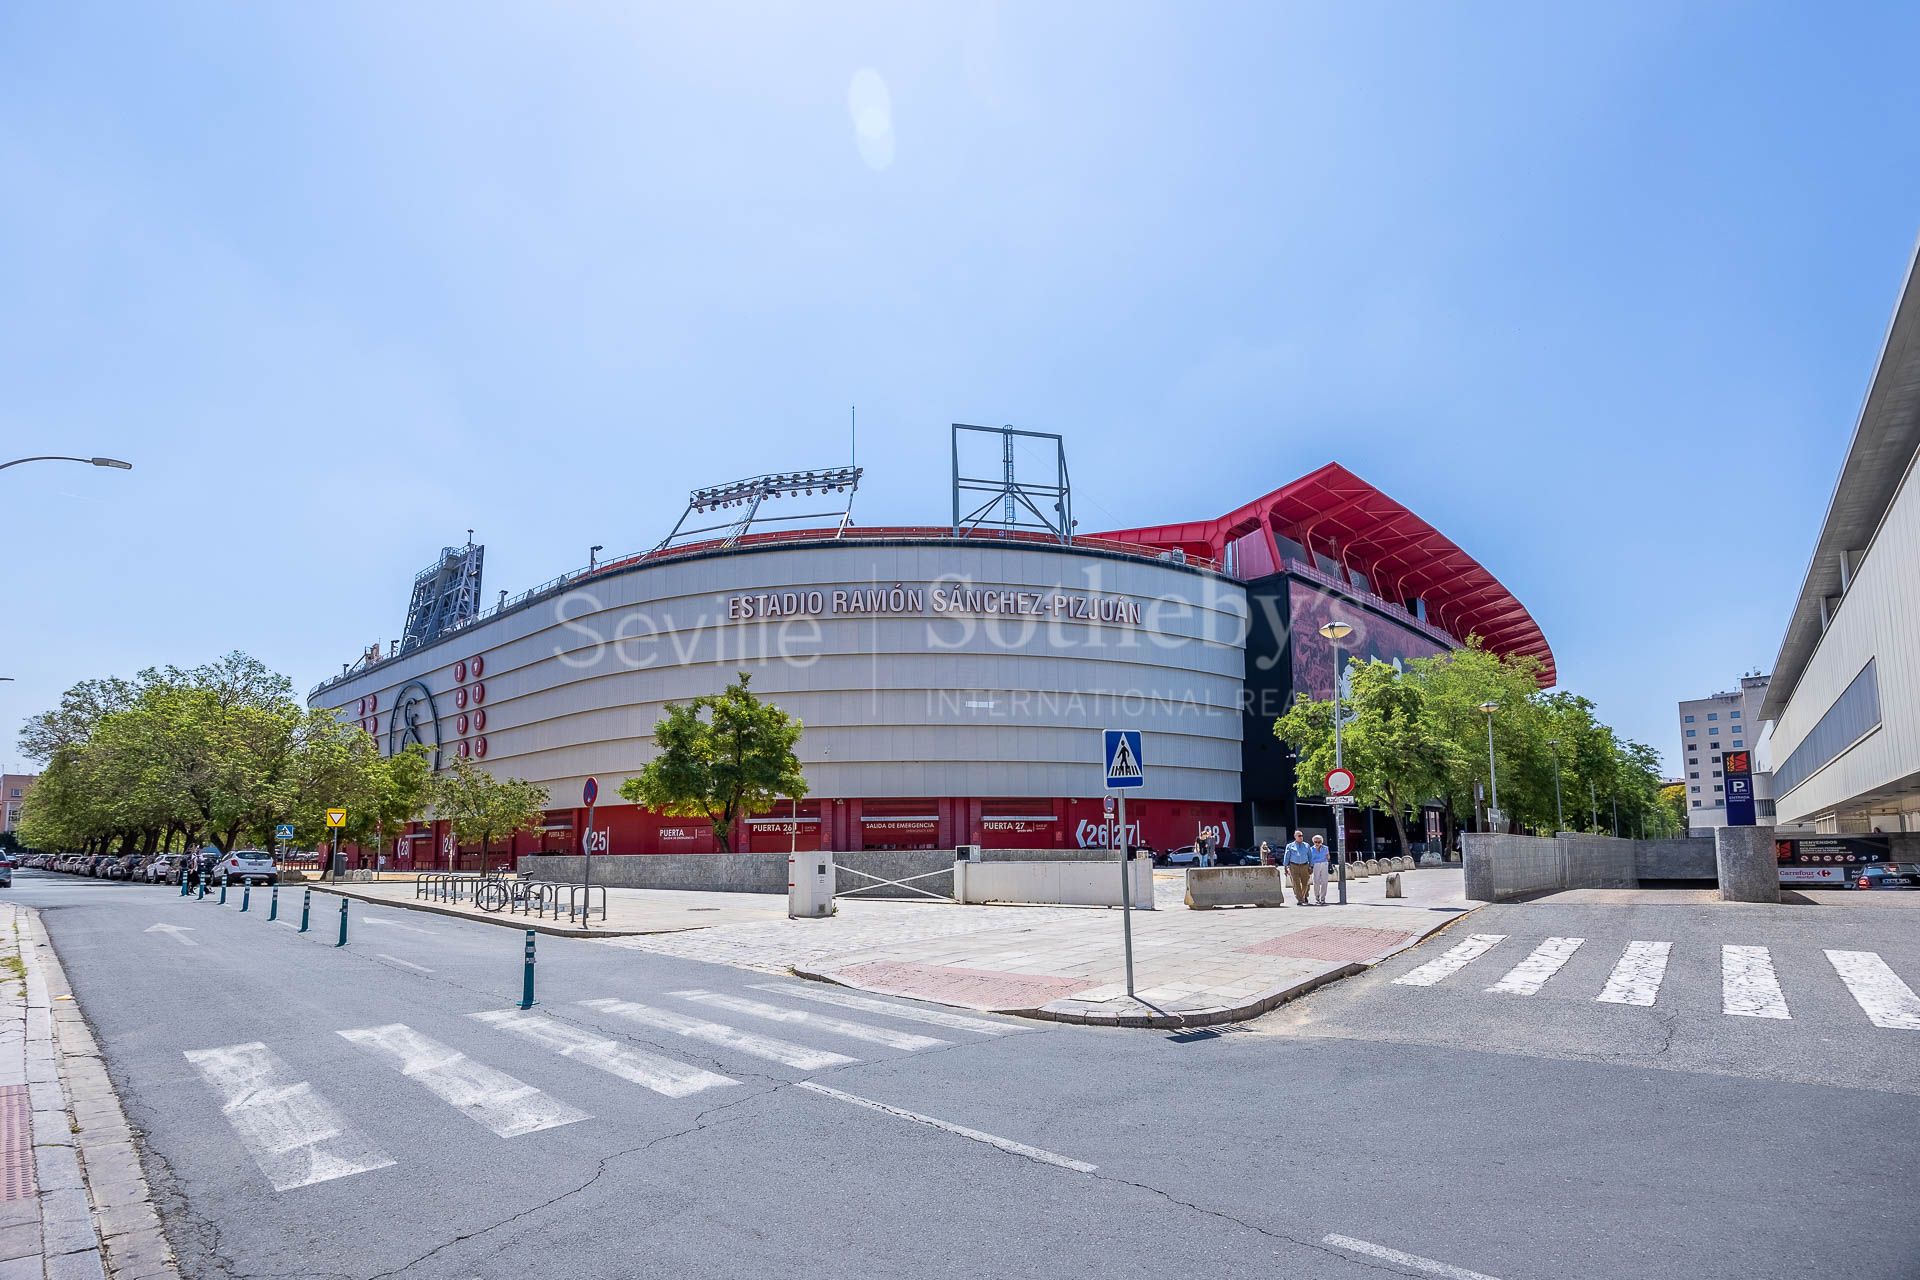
<point x="1599" y="862"/>
<point x="1675" y="858"/>
<point x="767" y="872"/>
<point x="1055" y="880"/>
<point x="1500" y="866"/>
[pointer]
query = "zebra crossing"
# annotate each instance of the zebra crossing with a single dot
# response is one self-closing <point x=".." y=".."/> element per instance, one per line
<point x="298" y="1138"/>
<point x="1749" y="980"/>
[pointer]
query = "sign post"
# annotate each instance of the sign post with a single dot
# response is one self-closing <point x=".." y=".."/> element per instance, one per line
<point x="589" y="794"/>
<point x="1339" y="784"/>
<point x="1125" y="770"/>
<point x="336" y="819"/>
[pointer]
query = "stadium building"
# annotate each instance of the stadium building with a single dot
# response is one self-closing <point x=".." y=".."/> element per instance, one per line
<point x="952" y="679"/>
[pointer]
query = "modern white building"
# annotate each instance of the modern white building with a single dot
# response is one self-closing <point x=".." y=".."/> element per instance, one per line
<point x="1709" y="728"/>
<point x="1845" y="697"/>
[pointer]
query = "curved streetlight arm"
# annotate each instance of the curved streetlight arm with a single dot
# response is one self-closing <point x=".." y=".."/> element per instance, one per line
<point x="115" y="463"/>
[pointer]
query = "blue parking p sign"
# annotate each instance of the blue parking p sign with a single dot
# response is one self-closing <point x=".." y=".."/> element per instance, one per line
<point x="1125" y="768"/>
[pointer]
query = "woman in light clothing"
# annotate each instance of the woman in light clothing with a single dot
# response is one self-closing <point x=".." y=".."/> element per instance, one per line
<point x="1319" y="871"/>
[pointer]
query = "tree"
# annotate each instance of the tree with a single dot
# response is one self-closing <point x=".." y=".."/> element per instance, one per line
<point x="1397" y="758"/>
<point x="480" y="806"/>
<point x="724" y="757"/>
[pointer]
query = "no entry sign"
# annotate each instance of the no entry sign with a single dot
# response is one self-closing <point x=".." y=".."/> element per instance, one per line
<point x="1339" y="782"/>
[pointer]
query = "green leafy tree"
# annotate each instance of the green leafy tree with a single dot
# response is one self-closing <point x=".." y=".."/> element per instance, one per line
<point x="482" y="807"/>
<point x="1387" y="741"/>
<point x="723" y="757"/>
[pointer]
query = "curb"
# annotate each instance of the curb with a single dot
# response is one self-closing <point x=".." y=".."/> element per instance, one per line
<point x="1194" y="1019"/>
<point x="518" y="923"/>
<point x="124" y="1236"/>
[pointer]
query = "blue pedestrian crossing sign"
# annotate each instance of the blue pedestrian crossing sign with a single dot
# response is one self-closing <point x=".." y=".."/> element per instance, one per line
<point x="284" y="831"/>
<point x="1125" y="768"/>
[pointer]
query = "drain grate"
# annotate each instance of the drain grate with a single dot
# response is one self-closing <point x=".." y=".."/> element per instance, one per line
<point x="16" y="1144"/>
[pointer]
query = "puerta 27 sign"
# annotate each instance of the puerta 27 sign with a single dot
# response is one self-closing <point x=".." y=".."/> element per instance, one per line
<point x="1738" y="766"/>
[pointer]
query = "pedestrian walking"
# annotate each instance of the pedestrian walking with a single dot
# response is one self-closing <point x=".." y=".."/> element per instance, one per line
<point x="1266" y="854"/>
<point x="1299" y="857"/>
<point x="1319" y="872"/>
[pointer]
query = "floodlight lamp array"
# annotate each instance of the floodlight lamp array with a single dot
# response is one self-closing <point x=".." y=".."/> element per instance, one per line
<point x="780" y="484"/>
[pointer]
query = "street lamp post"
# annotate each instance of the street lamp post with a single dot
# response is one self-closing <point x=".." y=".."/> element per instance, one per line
<point x="1593" y="812"/>
<point x="1493" y="772"/>
<point x="1559" y="817"/>
<point x="115" y="463"/>
<point x="1335" y="632"/>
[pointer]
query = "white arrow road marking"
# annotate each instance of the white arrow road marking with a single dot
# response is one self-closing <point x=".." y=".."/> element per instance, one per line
<point x="1004" y="1144"/>
<point x="662" y="1075"/>
<point x="1748" y="986"/>
<point x="179" y="932"/>
<point x="504" y="1104"/>
<point x="1411" y="1261"/>
<point x="1636" y="979"/>
<point x="782" y="1051"/>
<point x="1531" y="974"/>
<point x="912" y="1013"/>
<point x="291" y="1132"/>
<point x="391" y="923"/>
<point x="818" y="1021"/>
<point x="1887" y="1001"/>
<point x="1458" y="957"/>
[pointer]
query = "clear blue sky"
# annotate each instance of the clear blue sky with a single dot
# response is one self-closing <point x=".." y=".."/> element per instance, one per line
<point x="346" y="280"/>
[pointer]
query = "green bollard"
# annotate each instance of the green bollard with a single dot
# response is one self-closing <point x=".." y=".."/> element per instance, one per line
<point x="526" y="981"/>
<point x="306" y="909"/>
<point x="273" y="904"/>
<point x="343" y="924"/>
<point x="223" y="890"/>
<point x="246" y="895"/>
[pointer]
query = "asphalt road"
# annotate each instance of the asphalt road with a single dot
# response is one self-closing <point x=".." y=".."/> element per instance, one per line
<point x="1320" y="1142"/>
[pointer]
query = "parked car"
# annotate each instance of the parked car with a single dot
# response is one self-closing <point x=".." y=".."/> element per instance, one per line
<point x="1891" y="875"/>
<point x="161" y="869"/>
<point x="6" y="876"/>
<point x="247" y="866"/>
<point x="129" y="866"/>
<point x="1185" y="856"/>
<point x="1237" y="857"/>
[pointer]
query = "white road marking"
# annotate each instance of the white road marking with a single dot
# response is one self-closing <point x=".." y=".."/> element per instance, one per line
<point x="818" y="1021"/>
<point x="1411" y="1261"/>
<point x="1004" y="1144"/>
<point x="1458" y="957"/>
<point x="1531" y="974"/>
<point x="391" y="923"/>
<point x="178" y="932"/>
<point x="1748" y="987"/>
<point x="1887" y="1001"/>
<point x="504" y="1104"/>
<point x="1636" y="979"/>
<point x="784" y="1051"/>
<point x="408" y="963"/>
<point x="913" y="1013"/>
<point x="662" y="1075"/>
<point x="291" y="1132"/>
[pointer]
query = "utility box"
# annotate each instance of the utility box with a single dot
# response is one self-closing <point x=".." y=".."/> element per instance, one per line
<point x="809" y="886"/>
<point x="967" y="853"/>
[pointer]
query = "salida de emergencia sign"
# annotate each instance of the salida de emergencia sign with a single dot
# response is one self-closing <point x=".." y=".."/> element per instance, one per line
<point x="933" y="600"/>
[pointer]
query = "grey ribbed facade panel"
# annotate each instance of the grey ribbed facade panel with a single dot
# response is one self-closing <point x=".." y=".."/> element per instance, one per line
<point x="934" y="692"/>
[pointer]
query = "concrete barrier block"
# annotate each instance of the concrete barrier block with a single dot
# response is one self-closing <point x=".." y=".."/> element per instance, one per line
<point x="1209" y="887"/>
<point x="1749" y="871"/>
<point x="1373" y="866"/>
<point x="1393" y="885"/>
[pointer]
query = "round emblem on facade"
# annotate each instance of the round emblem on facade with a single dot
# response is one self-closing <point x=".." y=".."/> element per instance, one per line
<point x="459" y="671"/>
<point x="479" y="665"/>
<point x="479" y="694"/>
<point x="461" y="723"/>
<point x="460" y="697"/>
<point x="363" y="706"/>
<point x="465" y="750"/>
<point x="373" y="702"/>
<point x="479" y="721"/>
<point x="414" y="721"/>
<point x="479" y="746"/>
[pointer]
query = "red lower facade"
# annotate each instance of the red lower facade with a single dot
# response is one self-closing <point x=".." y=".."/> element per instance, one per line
<point x="845" y="825"/>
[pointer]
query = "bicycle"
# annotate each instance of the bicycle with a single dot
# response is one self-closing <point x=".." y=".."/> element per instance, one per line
<point x="497" y="894"/>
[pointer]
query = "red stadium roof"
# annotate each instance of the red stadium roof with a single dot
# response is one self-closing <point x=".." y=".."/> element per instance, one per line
<point x="1334" y="513"/>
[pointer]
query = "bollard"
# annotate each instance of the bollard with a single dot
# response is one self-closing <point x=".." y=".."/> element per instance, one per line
<point x="186" y="885"/>
<point x="223" y="890"/>
<point x="273" y="904"/>
<point x="203" y="889"/>
<point x="246" y="895"/>
<point x="526" y="981"/>
<point x="306" y="908"/>
<point x="343" y="924"/>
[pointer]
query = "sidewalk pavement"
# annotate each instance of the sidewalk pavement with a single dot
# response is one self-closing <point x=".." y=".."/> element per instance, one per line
<point x="1192" y="968"/>
<point x="73" y="1199"/>
<point x="629" y="911"/>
